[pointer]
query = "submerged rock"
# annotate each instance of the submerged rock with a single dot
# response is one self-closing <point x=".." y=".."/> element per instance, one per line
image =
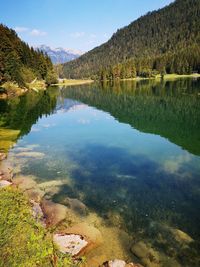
<point x="120" y="263"/>
<point x="6" y="172"/>
<point x="76" y="205"/>
<point x="146" y="254"/>
<point x="35" y="194"/>
<point x="30" y="154"/>
<point x="51" y="188"/>
<point x="115" y="263"/>
<point x="25" y="182"/>
<point x="181" y="236"/>
<point x="70" y="243"/>
<point x="4" y="183"/>
<point x="2" y="156"/>
<point x="53" y="212"/>
<point x="91" y="234"/>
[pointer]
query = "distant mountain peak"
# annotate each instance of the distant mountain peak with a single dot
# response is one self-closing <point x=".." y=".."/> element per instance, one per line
<point x="60" y="54"/>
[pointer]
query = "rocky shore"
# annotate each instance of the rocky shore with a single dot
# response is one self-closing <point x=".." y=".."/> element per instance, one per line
<point x="77" y="240"/>
<point x="84" y="238"/>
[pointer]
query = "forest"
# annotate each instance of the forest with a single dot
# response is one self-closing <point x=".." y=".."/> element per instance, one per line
<point x="20" y="63"/>
<point x="163" y="41"/>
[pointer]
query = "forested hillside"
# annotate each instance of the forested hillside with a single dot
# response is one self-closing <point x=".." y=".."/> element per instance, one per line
<point x="167" y="40"/>
<point x="19" y="62"/>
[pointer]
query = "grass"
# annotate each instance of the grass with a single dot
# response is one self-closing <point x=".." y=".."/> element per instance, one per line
<point x="23" y="241"/>
<point x="68" y="82"/>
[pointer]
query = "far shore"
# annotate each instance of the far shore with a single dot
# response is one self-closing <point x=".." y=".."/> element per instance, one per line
<point x="165" y="77"/>
<point x="68" y="82"/>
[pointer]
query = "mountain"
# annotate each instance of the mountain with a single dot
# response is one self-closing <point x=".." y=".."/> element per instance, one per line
<point x="19" y="62"/>
<point x="166" y="40"/>
<point x="60" y="55"/>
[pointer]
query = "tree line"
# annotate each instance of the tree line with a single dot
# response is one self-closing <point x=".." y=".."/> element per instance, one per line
<point x="184" y="61"/>
<point x="21" y="63"/>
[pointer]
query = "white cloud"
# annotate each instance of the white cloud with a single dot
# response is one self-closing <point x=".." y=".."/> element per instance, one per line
<point x="77" y="34"/>
<point x="21" y="29"/>
<point x="36" y="32"/>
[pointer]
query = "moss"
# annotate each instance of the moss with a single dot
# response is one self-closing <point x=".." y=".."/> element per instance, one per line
<point x="23" y="241"/>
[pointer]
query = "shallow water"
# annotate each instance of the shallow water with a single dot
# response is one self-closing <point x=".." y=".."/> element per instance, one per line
<point x="129" y="151"/>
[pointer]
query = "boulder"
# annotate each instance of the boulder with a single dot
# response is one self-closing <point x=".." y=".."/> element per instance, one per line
<point x="54" y="213"/>
<point x="89" y="233"/>
<point x="70" y="243"/>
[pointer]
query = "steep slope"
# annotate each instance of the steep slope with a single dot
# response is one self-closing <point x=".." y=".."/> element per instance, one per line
<point x="59" y="55"/>
<point x="165" y="39"/>
<point x="19" y="62"/>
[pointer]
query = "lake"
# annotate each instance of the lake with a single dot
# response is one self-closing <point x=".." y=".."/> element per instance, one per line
<point x="129" y="152"/>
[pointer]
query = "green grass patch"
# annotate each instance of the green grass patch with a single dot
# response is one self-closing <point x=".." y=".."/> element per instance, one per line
<point x="23" y="241"/>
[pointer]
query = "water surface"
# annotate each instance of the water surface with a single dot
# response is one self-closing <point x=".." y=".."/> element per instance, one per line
<point x="129" y="151"/>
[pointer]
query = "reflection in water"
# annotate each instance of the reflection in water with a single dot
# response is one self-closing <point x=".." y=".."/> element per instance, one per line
<point x="88" y="148"/>
<point x="170" y="109"/>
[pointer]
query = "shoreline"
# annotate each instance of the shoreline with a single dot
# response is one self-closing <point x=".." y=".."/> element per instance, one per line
<point x="158" y="77"/>
<point x="12" y="89"/>
<point x="69" y="82"/>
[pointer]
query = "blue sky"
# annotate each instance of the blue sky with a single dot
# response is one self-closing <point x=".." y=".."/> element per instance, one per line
<point x="76" y="24"/>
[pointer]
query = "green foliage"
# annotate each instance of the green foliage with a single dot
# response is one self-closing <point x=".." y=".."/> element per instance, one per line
<point x="167" y="40"/>
<point x="27" y="74"/>
<point x="19" y="62"/>
<point x="51" y="78"/>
